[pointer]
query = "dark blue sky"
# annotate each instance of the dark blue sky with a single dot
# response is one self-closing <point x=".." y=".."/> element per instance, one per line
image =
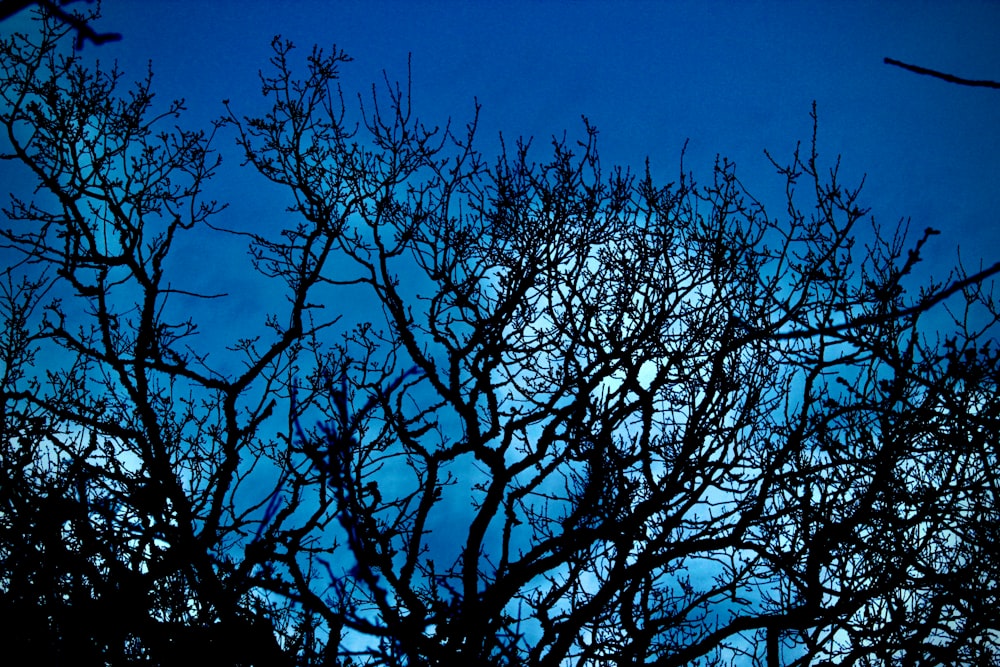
<point x="733" y="78"/>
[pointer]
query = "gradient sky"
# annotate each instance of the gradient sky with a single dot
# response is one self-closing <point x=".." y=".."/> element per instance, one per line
<point x="728" y="78"/>
<point x="732" y="78"/>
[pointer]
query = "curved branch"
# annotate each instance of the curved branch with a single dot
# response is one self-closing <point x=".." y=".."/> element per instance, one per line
<point x="950" y="78"/>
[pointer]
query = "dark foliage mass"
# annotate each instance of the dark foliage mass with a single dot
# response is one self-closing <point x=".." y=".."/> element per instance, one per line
<point x="518" y="410"/>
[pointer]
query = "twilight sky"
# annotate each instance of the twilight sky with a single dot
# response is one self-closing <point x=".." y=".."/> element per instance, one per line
<point x="733" y="78"/>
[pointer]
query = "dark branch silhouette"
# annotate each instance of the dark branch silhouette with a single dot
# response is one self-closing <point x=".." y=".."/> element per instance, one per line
<point x="950" y="78"/>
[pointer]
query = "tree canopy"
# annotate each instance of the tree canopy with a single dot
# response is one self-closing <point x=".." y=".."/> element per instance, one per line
<point x="592" y="418"/>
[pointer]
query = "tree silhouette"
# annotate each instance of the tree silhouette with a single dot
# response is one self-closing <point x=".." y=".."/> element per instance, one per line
<point x="600" y="420"/>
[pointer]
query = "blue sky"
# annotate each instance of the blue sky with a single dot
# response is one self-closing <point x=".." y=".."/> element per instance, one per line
<point x="728" y="78"/>
<point x="732" y="78"/>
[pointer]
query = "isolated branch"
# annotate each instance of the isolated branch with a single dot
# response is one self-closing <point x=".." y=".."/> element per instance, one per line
<point x="950" y="78"/>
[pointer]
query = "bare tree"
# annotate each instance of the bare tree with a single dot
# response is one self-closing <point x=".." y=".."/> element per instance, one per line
<point x="601" y="420"/>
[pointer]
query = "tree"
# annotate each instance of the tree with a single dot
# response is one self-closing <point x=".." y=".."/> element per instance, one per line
<point x="602" y="419"/>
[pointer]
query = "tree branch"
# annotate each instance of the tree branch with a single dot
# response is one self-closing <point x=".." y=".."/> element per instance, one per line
<point x="950" y="78"/>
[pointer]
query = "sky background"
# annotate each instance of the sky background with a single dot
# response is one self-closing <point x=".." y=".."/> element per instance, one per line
<point x="728" y="78"/>
<point x="733" y="78"/>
